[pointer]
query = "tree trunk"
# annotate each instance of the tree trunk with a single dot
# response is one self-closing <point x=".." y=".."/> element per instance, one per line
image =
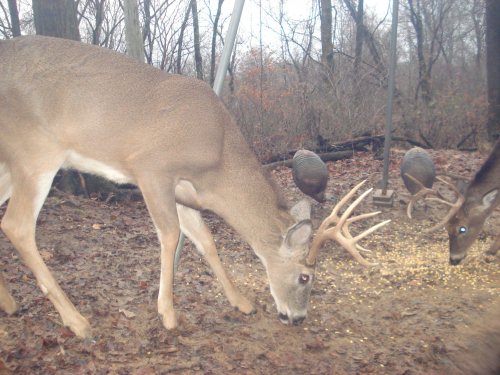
<point x="56" y="18"/>
<point x="147" y="37"/>
<point x="326" y="35"/>
<point x="133" y="35"/>
<point x="181" y="38"/>
<point x="493" y="68"/>
<point x="214" y="41"/>
<point x="99" y="19"/>
<point x="423" y="86"/>
<point x="14" y="18"/>
<point x="357" y="53"/>
<point x="359" y="38"/>
<point x="196" y="36"/>
<point x="370" y="43"/>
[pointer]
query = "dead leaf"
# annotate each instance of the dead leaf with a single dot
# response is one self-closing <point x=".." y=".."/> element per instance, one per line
<point x="46" y="254"/>
<point x="128" y="314"/>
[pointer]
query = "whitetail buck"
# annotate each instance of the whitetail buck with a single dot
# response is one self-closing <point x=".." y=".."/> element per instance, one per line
<point x="467" y="214"/>
<point x="65" y="104"/>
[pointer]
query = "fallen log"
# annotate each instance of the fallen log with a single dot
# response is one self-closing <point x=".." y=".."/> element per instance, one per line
<point x="361" y="144"/>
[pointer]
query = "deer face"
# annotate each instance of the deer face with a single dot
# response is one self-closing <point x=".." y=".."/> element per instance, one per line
<point x="464" y="227"/>
<point x="462" y="234"/>
<point x="290" y="279"/>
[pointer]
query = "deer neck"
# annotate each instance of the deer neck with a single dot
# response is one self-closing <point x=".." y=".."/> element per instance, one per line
<point x="246" y="198"/>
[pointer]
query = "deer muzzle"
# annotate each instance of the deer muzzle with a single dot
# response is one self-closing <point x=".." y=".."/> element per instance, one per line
<point x="292" y="321"/>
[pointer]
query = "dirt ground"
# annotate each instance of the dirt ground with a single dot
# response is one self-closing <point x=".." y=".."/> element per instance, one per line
<point x="412" y="314"/>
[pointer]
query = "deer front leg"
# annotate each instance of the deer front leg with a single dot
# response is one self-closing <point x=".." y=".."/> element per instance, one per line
<point x="7" y="302"/>
<point x="28" y="193"/>
<point x="160" y="199"/>
<point x="193" y="226"/>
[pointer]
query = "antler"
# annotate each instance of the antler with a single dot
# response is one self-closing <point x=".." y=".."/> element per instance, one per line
<point x="340" y="231"/>
<point x="424" y="191"/>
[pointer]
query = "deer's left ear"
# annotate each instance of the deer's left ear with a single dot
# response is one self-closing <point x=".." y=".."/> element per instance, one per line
<point x="489" y="198"/>
<point x="297" y="238"/>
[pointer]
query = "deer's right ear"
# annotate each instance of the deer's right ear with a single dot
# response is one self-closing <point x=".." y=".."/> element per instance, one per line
<point x="488" y="198"/>
<point x="301" y="211"/>
<point x="298" y="236"/>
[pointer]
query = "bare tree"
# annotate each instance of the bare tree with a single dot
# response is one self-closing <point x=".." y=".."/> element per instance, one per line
<point x="428" y="18"/>
<point x="180" y="40"/>
<point x="135" y="46"/>
<point x="326" y="35"/>
<point x="215" y="31"/>
<point x="14" y="18"/>
<point x="370" y="41"/>
<point x="56" y="18"/>
<point x="359" y="38"/>
<point x="101" y="23"/>
<point x="196" y="35"/>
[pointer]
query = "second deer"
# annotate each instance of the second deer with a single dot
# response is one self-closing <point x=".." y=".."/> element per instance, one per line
<point x="465" y="219"/>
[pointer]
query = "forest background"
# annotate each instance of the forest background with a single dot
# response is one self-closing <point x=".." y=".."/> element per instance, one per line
<point x="313" y="75"/>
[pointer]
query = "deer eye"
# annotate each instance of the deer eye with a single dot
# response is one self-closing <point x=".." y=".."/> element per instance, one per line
<point x="462" y="230"/>
<point x="303" y="278"/>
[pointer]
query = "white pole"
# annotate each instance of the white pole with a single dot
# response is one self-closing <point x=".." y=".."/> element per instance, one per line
<point x="219" y="82"/>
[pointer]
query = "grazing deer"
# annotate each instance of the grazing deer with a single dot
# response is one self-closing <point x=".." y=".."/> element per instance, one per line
<point x="467" y="214"/>
<point x="64" y="104"/>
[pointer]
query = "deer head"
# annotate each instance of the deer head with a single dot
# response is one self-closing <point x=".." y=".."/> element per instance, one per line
<point x="466" y="216"/>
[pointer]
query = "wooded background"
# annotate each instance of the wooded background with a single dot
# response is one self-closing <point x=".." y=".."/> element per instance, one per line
<point x="316" y="80"/>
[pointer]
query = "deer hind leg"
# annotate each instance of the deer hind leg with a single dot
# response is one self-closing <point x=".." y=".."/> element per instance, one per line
<point x="193" y="226"/>
<point x="7" y="302"/>
<point x="29" y="190"/>
<point x="159" y="196"/>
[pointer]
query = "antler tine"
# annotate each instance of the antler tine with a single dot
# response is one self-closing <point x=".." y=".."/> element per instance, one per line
<point x="345" y="228"/>
<point x="426" y="191"/>
<point x="449" y="184"/>
<point x="346" y="198"/>
<point x="420" y="194"/>
<point x="454" y="208"/>
<point x="334" y="218"/>
<point x="340" y="232"/>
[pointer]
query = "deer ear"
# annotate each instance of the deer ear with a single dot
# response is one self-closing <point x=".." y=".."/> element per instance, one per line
<point x="301" y="211"/>
<point x="298" y="237"/>
<point x="488" y="198"/>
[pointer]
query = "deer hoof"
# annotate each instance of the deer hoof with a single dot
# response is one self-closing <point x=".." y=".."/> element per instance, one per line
<point x="169" y="319"/>
<point x="80" y="327"/>
<point x="245" y="306"/>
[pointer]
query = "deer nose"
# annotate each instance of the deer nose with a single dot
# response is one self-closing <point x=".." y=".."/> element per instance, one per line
<point x="283" y="318"/>
<point x="294" y="321"/>
<point x="455" y="261"/>
<point x="298" y="320"/>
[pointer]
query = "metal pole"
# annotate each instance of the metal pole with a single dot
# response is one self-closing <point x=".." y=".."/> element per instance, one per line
<point x="218" y="84"/>
<point x="390" y="95"/>
<point x="228" y="46"/>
